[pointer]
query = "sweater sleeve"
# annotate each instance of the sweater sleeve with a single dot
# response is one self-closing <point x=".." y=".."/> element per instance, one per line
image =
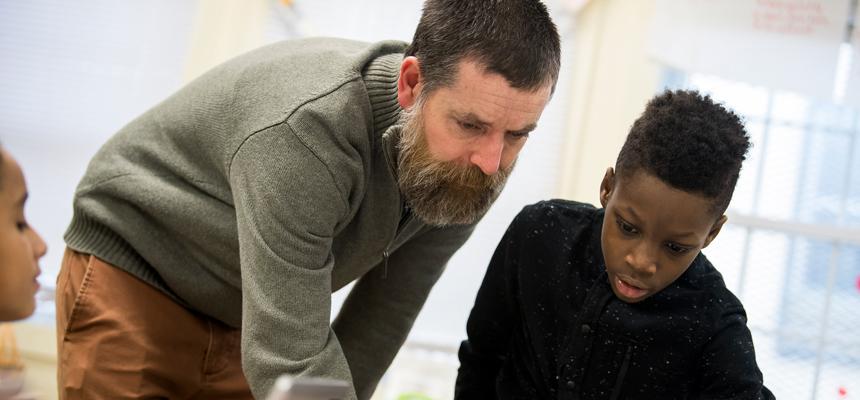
<point x="490" y="324"/>
<point x="379" y="312"/>
<point x="728" y="368"/>
<point x="287" y="207"/>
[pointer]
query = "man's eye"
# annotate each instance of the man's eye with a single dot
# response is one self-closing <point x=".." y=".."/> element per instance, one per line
<point x="519" y="135"/>
<point x="469" y="126"/>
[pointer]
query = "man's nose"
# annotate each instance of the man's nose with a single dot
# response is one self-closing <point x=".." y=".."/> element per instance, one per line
<point x="488" y="154"/>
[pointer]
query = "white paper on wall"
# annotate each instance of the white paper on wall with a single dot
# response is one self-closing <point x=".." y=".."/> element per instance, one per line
<point x="852" y="84"/>
<point x="782" y="44"/>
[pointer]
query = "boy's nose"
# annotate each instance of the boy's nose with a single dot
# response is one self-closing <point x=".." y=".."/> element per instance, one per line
<point x="642" y="261"/>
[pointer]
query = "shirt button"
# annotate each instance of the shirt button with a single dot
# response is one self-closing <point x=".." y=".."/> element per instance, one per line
<point x="585" y="329"/>
<point x="570" y="384"/>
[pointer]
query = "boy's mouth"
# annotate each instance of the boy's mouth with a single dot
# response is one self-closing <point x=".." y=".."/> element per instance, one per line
<point x="630" y="291"/>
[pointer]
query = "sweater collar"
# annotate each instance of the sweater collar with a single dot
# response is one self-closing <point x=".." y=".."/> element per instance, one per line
<point x="380" y="77"/>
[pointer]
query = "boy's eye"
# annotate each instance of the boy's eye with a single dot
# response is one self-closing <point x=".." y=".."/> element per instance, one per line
<point x="626" y="228"/>
<point x="22" y="226"/>
<point x="676" y="248"/>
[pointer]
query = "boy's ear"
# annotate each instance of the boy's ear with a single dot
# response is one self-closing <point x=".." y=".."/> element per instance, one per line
<point x="409" y="82"/>
<point x="606" y="186"/>
<point x="715" y="230"/>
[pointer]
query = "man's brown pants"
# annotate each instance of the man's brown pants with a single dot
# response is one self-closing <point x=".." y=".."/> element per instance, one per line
<point x="120" y="338"/>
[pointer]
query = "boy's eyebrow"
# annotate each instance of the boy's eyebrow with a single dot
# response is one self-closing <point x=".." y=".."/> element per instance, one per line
<point x="676" y="236"/>
<point x="633" y="212"/>
<point x="686" y="235"/>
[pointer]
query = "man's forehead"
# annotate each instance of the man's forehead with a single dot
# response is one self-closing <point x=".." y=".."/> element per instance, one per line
<point x="490" y="98"/>
<point x="475" y="80"/>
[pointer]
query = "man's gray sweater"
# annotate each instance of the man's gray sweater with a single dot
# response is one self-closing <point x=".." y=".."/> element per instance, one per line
<point x="259" y="189"/>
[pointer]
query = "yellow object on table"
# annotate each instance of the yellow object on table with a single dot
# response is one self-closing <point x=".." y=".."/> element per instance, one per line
<point x="11" y="367"/>
<point x="9" y="356"/>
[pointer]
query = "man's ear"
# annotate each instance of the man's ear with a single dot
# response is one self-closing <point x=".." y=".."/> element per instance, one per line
<point x="715" y="230"/>
<point x="607" y="186"/>
<point x="409" y="82"/>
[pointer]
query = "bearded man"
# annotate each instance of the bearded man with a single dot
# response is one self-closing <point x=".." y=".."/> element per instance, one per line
<point x="209" y="233"/>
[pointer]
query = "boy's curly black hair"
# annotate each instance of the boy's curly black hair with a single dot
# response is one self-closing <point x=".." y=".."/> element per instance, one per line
<point x="690" y="142"/>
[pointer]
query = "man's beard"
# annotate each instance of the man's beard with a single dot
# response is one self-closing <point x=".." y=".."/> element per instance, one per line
<point x="441" y="193"/>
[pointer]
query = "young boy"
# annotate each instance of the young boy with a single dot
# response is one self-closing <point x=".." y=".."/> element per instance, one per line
<point x="619" y="302"/>
<point x="20" y="246"/>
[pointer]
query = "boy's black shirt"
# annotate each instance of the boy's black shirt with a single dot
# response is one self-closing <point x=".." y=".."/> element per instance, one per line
<point x="546" y="324"/>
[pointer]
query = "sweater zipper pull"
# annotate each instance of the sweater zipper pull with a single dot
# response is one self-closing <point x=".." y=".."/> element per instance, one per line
<point x="385" y="264"/>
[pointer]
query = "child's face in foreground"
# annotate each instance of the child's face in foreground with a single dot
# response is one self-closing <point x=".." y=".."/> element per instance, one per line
<point x="20" y="246"/>
<point x="651" y="233"/>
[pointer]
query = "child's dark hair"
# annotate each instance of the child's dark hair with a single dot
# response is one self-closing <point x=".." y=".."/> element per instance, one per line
<point x="690" y="142"/>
